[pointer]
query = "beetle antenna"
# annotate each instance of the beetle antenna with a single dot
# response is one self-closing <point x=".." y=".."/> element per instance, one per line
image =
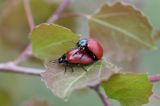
<point x="72" y="69"/>
<point x="65" y="68"/>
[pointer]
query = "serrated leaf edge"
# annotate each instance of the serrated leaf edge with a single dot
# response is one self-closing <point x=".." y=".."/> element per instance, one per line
<point x="153" y="46"/>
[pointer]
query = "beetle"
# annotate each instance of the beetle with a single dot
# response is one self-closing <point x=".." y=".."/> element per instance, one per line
<point x="74" y="57"/>
<point x="92" y="47"/>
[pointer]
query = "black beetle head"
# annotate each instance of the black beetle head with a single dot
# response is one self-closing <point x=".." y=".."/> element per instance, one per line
<point x="62" y="59"/>
<point x="82" y="43"/>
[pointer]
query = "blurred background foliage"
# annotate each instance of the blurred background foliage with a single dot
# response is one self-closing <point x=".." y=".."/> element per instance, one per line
<point x="16" y="89"/>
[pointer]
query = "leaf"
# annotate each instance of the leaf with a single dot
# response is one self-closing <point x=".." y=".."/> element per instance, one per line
<point x="63" y="84"/>
<point x="129" y="89"/>
<point x="122" y="29"/>
<point x="51" y="41"/>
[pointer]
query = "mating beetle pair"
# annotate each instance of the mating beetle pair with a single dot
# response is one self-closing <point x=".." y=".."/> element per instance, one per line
<point x="88" y="50"/>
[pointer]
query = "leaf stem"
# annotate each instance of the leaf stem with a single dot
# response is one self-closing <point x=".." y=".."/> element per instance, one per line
<point x="12" y="68"/>
<point x="102" y="95"/>
<point x="59" y="11"/>
<point x="154" y="78"/>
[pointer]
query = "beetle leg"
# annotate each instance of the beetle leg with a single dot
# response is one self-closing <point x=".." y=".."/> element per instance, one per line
<point x="84" y="68"/>
<point x="65" y="68"/>
<point x="72" y="68"/>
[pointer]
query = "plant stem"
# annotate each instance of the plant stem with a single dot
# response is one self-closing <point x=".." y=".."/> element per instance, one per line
<point x="59" y="11"/>
<point x="24" y="55"/>
<point x="29" y="15"/>
<point x="28" y="50"/>
<point x="12" y="68"/>
<point x="154" y="78"/>
<point x="75" y="14"/>
<point x="102" y="95"/>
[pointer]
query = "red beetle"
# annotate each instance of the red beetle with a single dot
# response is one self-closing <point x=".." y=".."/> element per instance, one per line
<point x="74" y="57"/>
<point x="92" y="47"/>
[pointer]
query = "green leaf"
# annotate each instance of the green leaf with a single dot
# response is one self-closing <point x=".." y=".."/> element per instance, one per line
<point x="122" y="29"/>
<point x="50" y="41"/>
<point x="129" y="89"/>
<point x="63" y="84"/>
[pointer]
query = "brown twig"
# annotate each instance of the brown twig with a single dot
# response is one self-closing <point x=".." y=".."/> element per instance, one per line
<point x="29" y="15"/>
<point x="28" y="50"/>
<point x="12" y="68"/>
<point x="24" y="55"/>
<point x="59" y="11"/>
<point x="75" y="14"/>
<point x="102" y="95"/>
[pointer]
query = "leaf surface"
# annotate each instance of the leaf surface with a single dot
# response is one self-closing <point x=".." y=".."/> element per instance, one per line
<point x="63" y="84"/>
<point x="122" y="29"/>
<point x="50" y="41"/>
<point x="129" y="89"/>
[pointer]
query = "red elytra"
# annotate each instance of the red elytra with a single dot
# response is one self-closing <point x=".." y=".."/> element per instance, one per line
<point x="75" y="56"/>
<point x="92" y="47"/>
<point x="95" y="47"/>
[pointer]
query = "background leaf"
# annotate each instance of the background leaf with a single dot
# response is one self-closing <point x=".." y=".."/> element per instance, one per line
<point x="123" y="31"/>
<point x="62" y="84"/>
<point x="129" y="89"/>
<point x="50" y="41"/>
